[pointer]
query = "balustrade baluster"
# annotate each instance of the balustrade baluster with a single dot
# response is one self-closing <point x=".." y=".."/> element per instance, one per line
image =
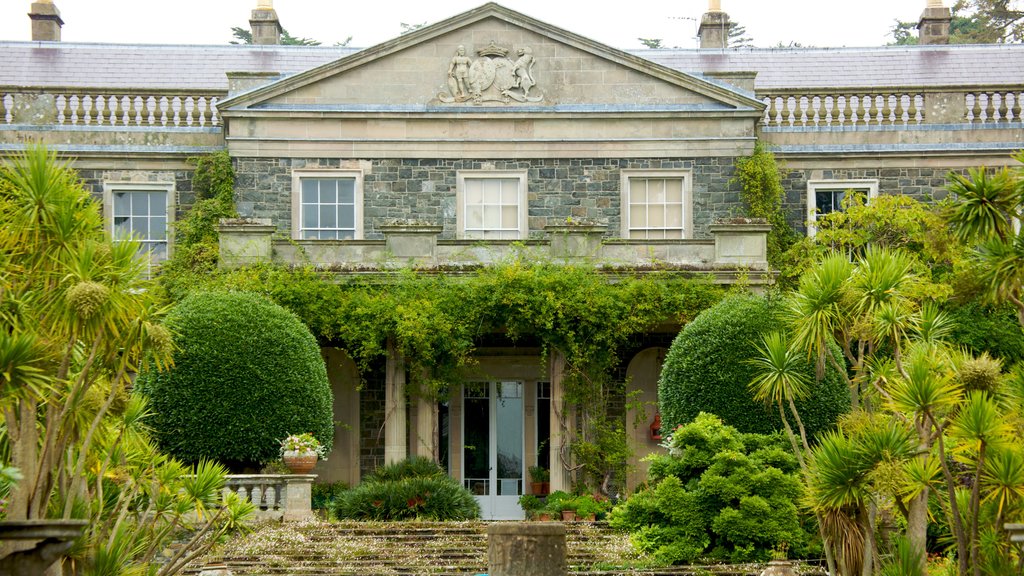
<point x="189" y="104"/>
<point x="60" y="103"/>
<point x="915" y="113"/>
<point x="1003" y="108"/>
<point x="873" y="112"/>
<point x="151" y="108"/>
<point x="976" y="117"/>
<point x="201" y="111"/>
<point x="846" y="112"/>
<point x="176" y="109"/>
<point x="165" y="105"/>
<point x="1015" y="108"/>
<point x="214" y="118"/>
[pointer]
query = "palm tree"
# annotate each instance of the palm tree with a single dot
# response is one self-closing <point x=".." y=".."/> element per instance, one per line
<point x="988" y="213"/>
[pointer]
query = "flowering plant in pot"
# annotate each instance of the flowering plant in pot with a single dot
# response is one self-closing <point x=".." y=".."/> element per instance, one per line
<point x="539" y="477"/>
<point x="301" y="451"/>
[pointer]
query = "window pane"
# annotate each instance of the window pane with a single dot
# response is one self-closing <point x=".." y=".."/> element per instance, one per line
<point x="159" y="252"/>
<point x="474" y="217"/>
<point x="140" y="227"/>
<point x="823" y="201"/>
<point x="122" y="204"/>
<point x="656" y="191"/>
<point x="674" y="190"/>
<point x="158" y="228"/>
<point x="510" y="191"/>
<point x="122" y="227"/>
<point x="637" y="215"/>
<point x="309" y="216"/>
<point x="674" y="215"/>
<point x="347" y="217"/>
<point x="309" y="234"/>
<point x="474" y="192"/>
<point x="140" y="203"/>
<point x="328" y="191"/>
<point x="492" y="217"/>
<point x="158" y="203"/>
<point x="329" y="216"/>
<point x="638" y="190"/>
<point x="655" y="216"/>
<point x="347" y="191"/>
<point x="510" y="217"/>
<point x="309" y="191"/>
<point x="346" y="234"/>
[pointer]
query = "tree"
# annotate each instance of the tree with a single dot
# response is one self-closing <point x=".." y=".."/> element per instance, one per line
<point x="77" y="318"/>
<point x="738" y="36"/>
<point x="974" y="22"/>
<point x="652" y="43"/>
<point x="988" y="209"/>
<point x="244" y="36"/>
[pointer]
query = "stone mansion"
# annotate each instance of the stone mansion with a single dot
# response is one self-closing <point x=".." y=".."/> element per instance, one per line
<point x="448" y="144"/>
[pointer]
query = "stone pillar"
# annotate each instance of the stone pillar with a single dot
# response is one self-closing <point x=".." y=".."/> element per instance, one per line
<point x="46" y="21"/>
<point x="714" y="27"/>
<point x="563" y="425"/>
<point x="297" y="499"/>
<point x="742" y="243"/>
<point x="575" y="242"/>
<point x="423" y="436"/>
<point x="395" y="425"/>
<point x="933" y="27"/>
<point x="526" y="549"/>
<point x="245" y="241"/>
<point x="265" y="26"/>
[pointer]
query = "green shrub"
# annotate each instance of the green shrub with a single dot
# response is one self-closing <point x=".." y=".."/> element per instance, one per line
<point x="718" y="495"/>
<point x="414" y="467"/>
<point x="325" y="495"/>
<point x="406" y="491"/>
<point x="992" y="329"/>
<point x="706" y="370"/>
<point x="246" y="374"/>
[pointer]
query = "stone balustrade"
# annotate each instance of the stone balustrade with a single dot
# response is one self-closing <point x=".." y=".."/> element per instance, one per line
<point x="874" y="107"/>
<point x="115" y="109"/>
<point x="276" y="496"/>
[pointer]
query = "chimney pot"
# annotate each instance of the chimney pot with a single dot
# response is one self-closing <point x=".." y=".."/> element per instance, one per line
<point x="46" y="21"/>
<point x="714" y="5"/>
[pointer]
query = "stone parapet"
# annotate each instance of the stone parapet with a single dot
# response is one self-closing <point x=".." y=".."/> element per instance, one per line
<point x="245" y="241"/>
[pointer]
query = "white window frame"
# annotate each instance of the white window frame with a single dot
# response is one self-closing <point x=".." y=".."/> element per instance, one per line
<point x="111" y="188"/>
<point x="624" y="201"/>
<point x="299" y="175"/>
<point x="460" y="197"/>
<point x="862" y="185"/>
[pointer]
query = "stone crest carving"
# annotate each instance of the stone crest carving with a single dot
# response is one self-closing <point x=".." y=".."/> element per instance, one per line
<point x="492" y="77"/>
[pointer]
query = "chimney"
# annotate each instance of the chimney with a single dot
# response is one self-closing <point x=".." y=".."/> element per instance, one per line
<point x="266" y="28"/>
<point x="46" y="21"/>
<point x="714" y="26"/>
<point x="933" y="28"/>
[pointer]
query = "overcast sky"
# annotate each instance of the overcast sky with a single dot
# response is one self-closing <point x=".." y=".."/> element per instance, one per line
<point x="768" y="22"/>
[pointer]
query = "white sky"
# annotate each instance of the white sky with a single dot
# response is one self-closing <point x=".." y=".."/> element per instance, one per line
<point x="768" y="22"/>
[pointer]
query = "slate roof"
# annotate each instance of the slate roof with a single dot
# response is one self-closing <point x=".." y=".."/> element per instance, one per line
<point x="192" y="67"/>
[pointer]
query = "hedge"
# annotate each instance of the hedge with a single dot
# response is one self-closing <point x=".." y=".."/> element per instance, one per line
<point x="706" y="370"/>
<point x="246" y="374"/>
<point x="416" y="488"/>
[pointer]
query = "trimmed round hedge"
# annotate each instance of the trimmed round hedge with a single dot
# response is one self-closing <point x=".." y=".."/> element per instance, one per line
<point x="706" y="370"/>
<point x="247" y="373"/>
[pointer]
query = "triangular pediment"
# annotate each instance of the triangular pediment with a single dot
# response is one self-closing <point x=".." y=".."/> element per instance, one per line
<point x="494" y="59"/>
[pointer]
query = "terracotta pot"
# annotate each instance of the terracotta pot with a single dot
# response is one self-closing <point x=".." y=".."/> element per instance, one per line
<point x="544" y="517"/>
<point x="590" y="518"/>
<point x="299" y="462"/>
<point x="537" y="488"/>
<point x="546" y="488"/>
<point x="568" y="515"/>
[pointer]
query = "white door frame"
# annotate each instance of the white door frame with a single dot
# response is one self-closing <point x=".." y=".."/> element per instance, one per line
<point x="492" y="505"/>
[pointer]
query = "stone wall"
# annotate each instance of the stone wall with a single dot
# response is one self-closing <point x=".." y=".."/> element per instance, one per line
<point x="184" y="198"/>
<point x="924" y="184"/>
<point x="581" y="188"/>
<point x="371" y="422"/>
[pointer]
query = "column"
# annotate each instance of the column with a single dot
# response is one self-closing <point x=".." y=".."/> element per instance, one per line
<point x="563" y="426"/>
<point x="395" y="425"/>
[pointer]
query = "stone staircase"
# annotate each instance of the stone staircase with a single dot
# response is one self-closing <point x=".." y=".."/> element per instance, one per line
<point x="421" y="548"/>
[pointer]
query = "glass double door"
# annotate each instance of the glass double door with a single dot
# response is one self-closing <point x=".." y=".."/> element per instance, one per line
<point x="492" y="453"/>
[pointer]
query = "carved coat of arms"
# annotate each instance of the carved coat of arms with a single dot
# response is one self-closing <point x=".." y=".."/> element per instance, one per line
<point x="493" y="77"/>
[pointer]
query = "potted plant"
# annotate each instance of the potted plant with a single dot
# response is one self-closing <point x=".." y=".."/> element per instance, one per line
<point x="561" y="504"/>
<point x="531" y="505"/>
<point x="539" y="477"/>
<point x="300" y="452"/>
<point x="589" y="507"/>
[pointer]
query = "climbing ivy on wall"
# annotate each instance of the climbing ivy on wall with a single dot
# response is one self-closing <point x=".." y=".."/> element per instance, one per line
<point x="434" y="321"/>
<point x="762" y="193"/>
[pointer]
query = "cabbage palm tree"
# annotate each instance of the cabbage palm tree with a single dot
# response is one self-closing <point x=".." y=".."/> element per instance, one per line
<point x="988" y="213"/>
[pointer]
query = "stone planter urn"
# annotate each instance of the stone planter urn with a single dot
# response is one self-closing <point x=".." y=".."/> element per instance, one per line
<point x="299" y="462"/>
<point x="779" y="568"/>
